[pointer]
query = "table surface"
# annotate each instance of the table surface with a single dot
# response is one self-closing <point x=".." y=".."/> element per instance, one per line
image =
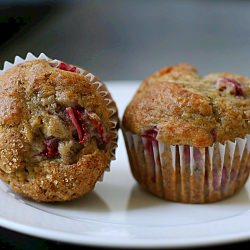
<point x="17" y="241"/>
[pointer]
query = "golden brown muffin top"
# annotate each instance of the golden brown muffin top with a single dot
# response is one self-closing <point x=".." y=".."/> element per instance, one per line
<point x="41" y="110"/>
<point x="177" y="106"/>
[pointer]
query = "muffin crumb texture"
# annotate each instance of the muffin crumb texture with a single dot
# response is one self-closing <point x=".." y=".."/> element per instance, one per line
<point x="58" y="132"/>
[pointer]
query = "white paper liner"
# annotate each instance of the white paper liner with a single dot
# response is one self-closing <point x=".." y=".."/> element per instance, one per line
<point x="100" y="88"/>
<point x="188" y="174"/>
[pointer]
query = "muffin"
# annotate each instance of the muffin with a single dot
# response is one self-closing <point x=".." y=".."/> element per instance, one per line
<point x="58" y="129"/>
<point x="187" y="136"/>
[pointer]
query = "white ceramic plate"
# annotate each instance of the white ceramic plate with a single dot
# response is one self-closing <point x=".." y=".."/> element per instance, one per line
<point x="119" y="214"/>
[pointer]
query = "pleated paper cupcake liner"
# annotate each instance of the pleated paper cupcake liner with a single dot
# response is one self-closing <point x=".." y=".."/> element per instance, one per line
<point x="100" y="88"/>
<point x="189" y="174"/>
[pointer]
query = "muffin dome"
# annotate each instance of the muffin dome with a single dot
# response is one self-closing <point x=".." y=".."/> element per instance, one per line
<point x="58" y="130"/>
<point x="182" y="107"/>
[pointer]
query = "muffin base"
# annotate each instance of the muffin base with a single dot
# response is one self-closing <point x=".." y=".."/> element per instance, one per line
<point x="182" y="173"/>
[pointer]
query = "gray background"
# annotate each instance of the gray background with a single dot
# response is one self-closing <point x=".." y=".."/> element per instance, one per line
<point x="127" y="40"/>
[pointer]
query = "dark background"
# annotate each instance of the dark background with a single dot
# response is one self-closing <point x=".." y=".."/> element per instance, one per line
<point x="128" y="39"/>
<point x="125" y="40"/>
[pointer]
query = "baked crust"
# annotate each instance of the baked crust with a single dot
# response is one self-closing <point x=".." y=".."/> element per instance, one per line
<point x="32" y="94"/>
<point x="187" y="109"/>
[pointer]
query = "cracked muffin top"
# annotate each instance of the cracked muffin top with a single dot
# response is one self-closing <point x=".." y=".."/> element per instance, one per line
<point x="58" y="129"/>
<point x="176" y="105"/>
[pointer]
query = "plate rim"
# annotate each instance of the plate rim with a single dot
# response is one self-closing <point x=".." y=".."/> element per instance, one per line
<point x="84" y="240"/>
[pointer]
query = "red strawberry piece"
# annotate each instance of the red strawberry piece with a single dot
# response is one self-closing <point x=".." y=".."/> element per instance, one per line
<point x="67" y="67"/>
<point x="232" y="85"/>
<point x="76" y="117"/>
<point x="51" y="147"/>
<point x="99" y="128"/>
<point x="148" y="144"/>
<point x="151" y="134"/>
